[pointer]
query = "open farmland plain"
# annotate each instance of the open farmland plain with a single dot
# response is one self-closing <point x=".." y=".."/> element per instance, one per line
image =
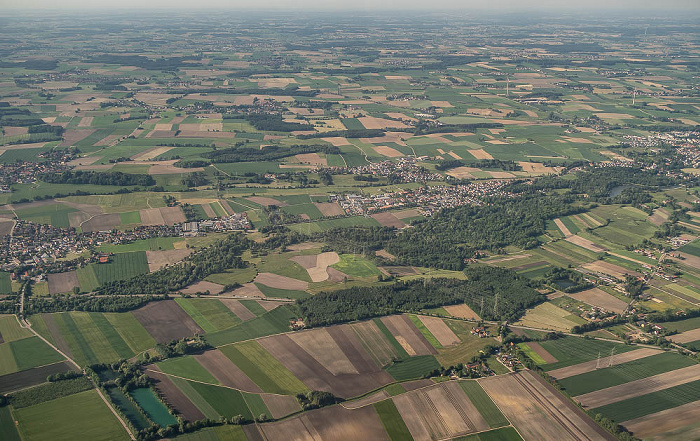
<point x="244" y="226"/>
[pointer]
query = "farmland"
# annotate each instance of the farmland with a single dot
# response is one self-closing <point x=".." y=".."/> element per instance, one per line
<point x="392" y="228"/>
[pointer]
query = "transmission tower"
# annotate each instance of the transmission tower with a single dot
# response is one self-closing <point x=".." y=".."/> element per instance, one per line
<point x="597" y="363"/>
<point x="612" y="355"/>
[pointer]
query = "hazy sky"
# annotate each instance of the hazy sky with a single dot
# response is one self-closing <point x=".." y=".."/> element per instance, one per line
<point x="362" y="5"/>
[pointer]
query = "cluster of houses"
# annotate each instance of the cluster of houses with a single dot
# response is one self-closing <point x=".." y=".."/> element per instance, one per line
<point x="428" y="199"/>
<point x="405" y="169"/>
<point x="235" y="222"/>
<point x="480" y="331"/>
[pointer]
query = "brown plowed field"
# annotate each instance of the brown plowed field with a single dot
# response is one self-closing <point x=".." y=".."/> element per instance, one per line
<point x="102" y="222"/>
<point x="329" y="208"/>
<point x="610" y="269"/>
<point x="366" y="401"/>
<point x="281" y="282"/>
<point x="269" y="305"/>
<point x="640" y="387"/>
<point x="248" y="290"/>
<point x="564" y="230"/>
<point x="438" y="412"/>
<point x="600" y="298"/>
<point x="6" y="227"/>
<point x="31" y="377"/>
<point x="440" y="330"/>
<point x="329" y="424"/>
<point x="174" y="396"/>
<point x="374" y="342"/>
<point x="238" y="309"/>
<point x="319" y="344"/>
<point x="401" y="326"/>
<point x="335" y="275"/>
<point x="280" y="405"/>
<point x="172" y="215"/>
<point x="225" y="371"/>
<point x="585" y="243"/>
<point x="71" y="136"/>
<point x="462" y="311"/>
<point x="305" y="261"/>
<point x="542" y="352"/>
<point x="665" y="421"/>
<point x="158" y="259"/>
<point x="203" y="286"/>
<point x="348" y="342"/>
<point x="166" y="321"/>
<point x="266" y="201"/>
<point x="151" y="216"/>
<point x="208" y="211"/>
<point x="62" y="282"/>
<point x="56" y="335"/>
<point x="227" y="207"/>
<point x="538" y="411"/>
<point x="686" y="337"/>
<point x="480" y="154"/>
<point x="317" y="377"/>
<point x="387" y="151"/>
<point x="388" y="220"/>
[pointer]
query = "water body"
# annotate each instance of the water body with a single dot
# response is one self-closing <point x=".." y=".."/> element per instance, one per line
<point x="128" y="408"/>
<point x="153" y="407"/>
<point x="616" y="191"/>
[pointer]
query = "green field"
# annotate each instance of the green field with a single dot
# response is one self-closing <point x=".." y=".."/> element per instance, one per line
<point x="26" y="353"/>
<point x="10" y="329"/>
<point x="402" y="354"/>
<point x="263" y="368"/>
<point x="187" y="367"/>
<point x="5" y="283"/>
<point x="211" y="315"/>
<point x="226" y="402"/>
<point x="532" y="355"/>
<point x="426" y="333"/>
<point x="693" y="248"/>
<point x="55" y="214"/>
<point x="273" y="322"/>
<point x="8" y="431"/>
<point x="282" y="293"/>
<point x="493" y="417"/>
<point x="624" y="373"/>
<point x="575" y="350"/>
<point x="682" y="325"/>
<point x="392" y="421"/>
<point x="56" y="420"/>
<point x="153" y="244"/>
<point x="356" y="266"/>
<point x="122" y="266"/>
<point x="651" y="403"/>
<point x="414" y="367"/>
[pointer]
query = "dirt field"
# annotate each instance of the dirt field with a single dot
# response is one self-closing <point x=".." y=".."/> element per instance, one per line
<point x="337" y="141"/>
<point x="462" y="311"/>
<point x="280" y="405"/>
<point x="371" y="123"/>
<point x="480" y="154"/>
<point x="404" y="214"/>
<point x="174" y="396"/>
<point x="542" y="352"/>
<point x="316" y="376"/>
<point x="281" y="282"/>
<point x="158" y="259"/>
<point x="319" y="344"/>
<point x="166" y="321"/>
<point x="55" y="332"/>
<point x="225" y="371"/>
<point x="266" y="201"/>
<point x="102" y="222"/>
<point x="167" y="167"/>
<point x="203" y="286"/>
<point x="611" y="269"/>
<point x="312" y="158"/>
<point x="32" y="377"/>
<point x="565" y="231"/>
<point x="248" y="290"/>
<point x="665" y="421"/>
<point x="151" y="216"/>
<point x="659" y="217"/>
<point x="402" y="328"/>
<point x="389" y="152"/>
<point x="366" y="401"/>
<point x="440" y="330"/>
<point x="238" y="309"/>
<point x="150" y="154"/>
<point x="72" y="136"/>
<point x="329" y="424"/>
<point x="439" y="412"/>
<point x="329" y="208"/>
<point x="686" y="337"/>
<point x="640" y="387"/>
<point x="6" y="227"/>
<point x="463" y="172"/>
<point x="585" y="243"/>
<point x="590" y="366"/>
<point x="317" y="266"/>
<point x="388" y="220"/>
<point x="538" y="411"/>
<point x="375" y="343"/>
<point x="600" y="298"/>
<point x="62" y="282"/>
